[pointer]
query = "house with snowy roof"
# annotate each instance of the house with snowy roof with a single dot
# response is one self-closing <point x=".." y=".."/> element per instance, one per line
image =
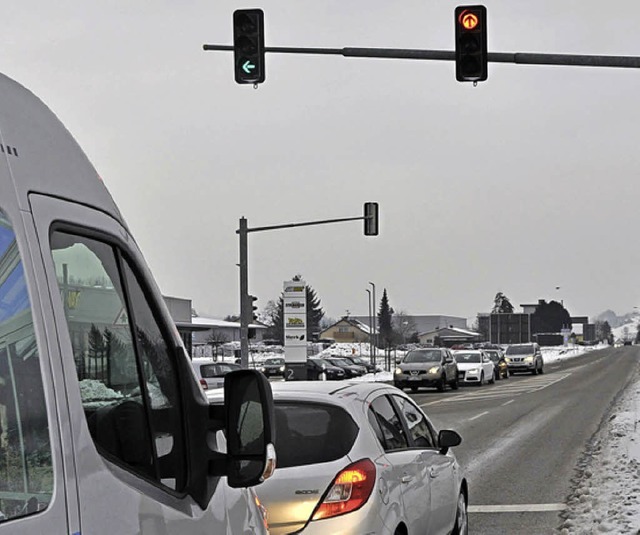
<point x="347" y="330"/>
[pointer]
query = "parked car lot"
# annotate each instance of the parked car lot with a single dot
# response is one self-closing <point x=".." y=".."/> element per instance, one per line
<point x="359" y="361"/>
<point x="430" y="367"/>
<point x="371" y="462"/>
<point x="525" y="358"/>
<point x="319" y="369"/>
<point x="474" y="366"/>
<point x="350" y="370"/>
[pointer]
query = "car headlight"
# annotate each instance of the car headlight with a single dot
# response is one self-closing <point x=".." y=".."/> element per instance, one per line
<point x="507" y="359"/>
<point x="473" y="371"/>
<point x="435" y="369"/>
<point x="528" y="359"/>
<point x="281" y="368"/>
<point x="263" y="370"/>
<point x="398" y="371"/>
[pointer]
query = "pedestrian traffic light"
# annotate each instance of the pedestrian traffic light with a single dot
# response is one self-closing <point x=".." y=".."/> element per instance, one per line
<point x="471" y="43"/>
<point x="248" y="45"/>
<point x="371" y="219"/>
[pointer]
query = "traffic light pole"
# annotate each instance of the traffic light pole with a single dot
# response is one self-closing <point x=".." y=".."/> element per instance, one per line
<point x="520" y="58"/>
<point x="245" y="304"/>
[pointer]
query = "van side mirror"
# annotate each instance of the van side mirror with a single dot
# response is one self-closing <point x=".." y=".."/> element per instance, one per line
<point x="249" y="427"/>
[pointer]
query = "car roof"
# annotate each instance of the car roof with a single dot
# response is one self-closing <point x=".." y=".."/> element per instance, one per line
<point x="343" y="393"/>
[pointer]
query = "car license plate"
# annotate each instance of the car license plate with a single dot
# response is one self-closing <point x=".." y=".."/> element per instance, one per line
<point x="414" y="378"/>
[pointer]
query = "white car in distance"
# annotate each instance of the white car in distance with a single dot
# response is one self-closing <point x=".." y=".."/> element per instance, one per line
<point x="474" y="366"/>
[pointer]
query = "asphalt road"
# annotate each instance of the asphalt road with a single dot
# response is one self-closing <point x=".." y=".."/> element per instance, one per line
<point x="523" y="436"/>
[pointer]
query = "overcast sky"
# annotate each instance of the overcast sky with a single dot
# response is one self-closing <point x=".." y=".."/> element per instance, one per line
<point x="527" y="182"/>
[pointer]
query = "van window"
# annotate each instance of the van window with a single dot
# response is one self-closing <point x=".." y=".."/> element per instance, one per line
<point x="128" y="381"/>
<point x="26" y="470"/>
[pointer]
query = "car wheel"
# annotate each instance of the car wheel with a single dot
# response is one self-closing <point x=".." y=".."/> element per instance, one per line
<point x="541" y="370"/>
<point x="535" y="370"/>
<point x="455" y="384"/>
<point x="481" y="379"/>
<point x="506" y="374"/>
<point x="461" y="527"/>
<point x="493" y="379"/>
<point x="442" y="384"/>
<point x="497" y="375"/>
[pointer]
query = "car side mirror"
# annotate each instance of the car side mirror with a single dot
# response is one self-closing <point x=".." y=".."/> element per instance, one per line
<point x="448" y="439"/>
<point x="249" y="428"/>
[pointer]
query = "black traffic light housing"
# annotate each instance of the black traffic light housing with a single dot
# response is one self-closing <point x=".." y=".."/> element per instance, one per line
<point x="471" y="44"/>
<point x="371" y="219"/>
<point x="252" y="307"/>
<point x="248" y="46"/>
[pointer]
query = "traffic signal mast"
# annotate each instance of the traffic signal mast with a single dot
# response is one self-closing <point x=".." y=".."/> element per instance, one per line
<point x="249" y="50"/>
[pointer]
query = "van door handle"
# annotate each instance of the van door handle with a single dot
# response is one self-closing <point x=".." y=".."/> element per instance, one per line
<point x="433" y="472"/>
<point x="406" y="478"/>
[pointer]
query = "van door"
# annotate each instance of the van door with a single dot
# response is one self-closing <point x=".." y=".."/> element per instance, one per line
<point x="119" y="349"/>
<point x="37" y="491"/>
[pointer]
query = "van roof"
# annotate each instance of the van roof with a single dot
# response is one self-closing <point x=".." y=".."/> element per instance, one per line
<point x="42" y="156"/>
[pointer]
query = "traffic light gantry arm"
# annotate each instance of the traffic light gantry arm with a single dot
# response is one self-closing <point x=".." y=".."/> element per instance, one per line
<point x="519" y="58"/>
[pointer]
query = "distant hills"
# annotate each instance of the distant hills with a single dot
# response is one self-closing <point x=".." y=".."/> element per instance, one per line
<point x="615" y="320"/>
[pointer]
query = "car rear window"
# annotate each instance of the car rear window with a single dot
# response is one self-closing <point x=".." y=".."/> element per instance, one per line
<point x="311" y="433"/>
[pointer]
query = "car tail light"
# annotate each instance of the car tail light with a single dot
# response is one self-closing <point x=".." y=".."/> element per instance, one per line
<point x="204" y="384"/>
<point x="349" y="491"/>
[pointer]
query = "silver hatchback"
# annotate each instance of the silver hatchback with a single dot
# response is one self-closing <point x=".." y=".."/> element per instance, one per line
<point x="360" y="458"/>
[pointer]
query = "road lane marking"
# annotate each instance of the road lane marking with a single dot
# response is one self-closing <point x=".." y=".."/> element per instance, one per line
<point x="519" y="508"/>
<point x="478" y="415"/>
<point x="507" y="403"/>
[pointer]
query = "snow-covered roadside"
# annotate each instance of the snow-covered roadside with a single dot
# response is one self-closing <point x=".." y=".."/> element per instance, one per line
<point x="607" y="492"/>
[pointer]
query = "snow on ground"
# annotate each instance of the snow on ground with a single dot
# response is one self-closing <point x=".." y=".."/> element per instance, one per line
<point x="607" y="494"/>
<point x="627" y="331"/>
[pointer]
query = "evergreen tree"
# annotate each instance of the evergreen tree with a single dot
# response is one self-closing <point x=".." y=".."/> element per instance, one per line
<point x="501" y="304"/>
<point x="314" y="315"/>
<point x="385" y="321"/>
<point x="275" y="329"/>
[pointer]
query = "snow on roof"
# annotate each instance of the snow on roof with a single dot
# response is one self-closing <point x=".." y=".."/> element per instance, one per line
<point x="213" y="323"/>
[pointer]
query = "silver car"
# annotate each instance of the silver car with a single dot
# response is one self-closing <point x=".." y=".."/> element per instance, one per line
<point x="360" y="458"/>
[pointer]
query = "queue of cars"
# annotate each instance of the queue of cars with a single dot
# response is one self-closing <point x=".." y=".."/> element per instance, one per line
<point x="439" y="367"/>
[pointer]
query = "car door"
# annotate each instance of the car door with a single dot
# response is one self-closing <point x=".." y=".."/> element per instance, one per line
<point x="406" y="470"/>
<point x="439" y="469"/>
<point x="121" y="384"/>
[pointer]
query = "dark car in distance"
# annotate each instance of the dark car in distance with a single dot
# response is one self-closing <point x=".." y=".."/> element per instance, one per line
<point x="319" y="369"/>
<point x="350" y="370"/>
<point x="359" y="361"/>
<point x="273" y="366"/>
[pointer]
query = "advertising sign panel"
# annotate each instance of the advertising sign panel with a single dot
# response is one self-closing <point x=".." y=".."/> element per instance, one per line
<point x="295" y="329"/>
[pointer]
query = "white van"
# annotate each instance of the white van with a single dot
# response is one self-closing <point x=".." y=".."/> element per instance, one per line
<point x="103" y="425"/>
